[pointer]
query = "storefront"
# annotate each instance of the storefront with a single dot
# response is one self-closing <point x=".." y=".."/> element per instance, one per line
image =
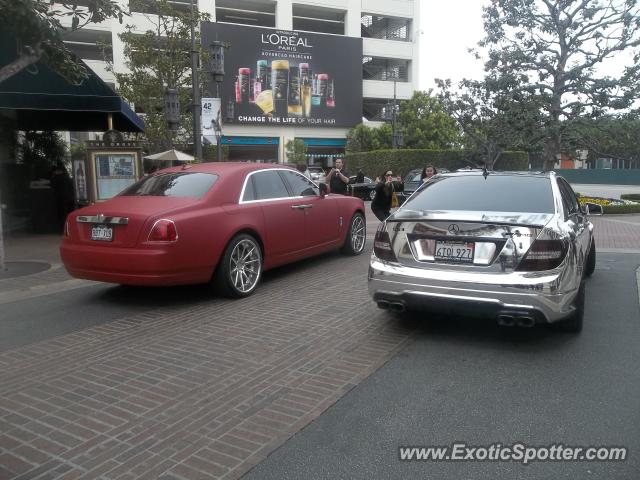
<point x="324" y="151"/>
<point x="252" y="149"/>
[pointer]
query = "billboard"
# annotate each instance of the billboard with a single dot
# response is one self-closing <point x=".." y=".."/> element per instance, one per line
<point x="281" y="77"/>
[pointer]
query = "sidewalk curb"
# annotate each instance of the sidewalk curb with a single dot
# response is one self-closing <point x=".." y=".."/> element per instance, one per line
<point x="42" y="290"/>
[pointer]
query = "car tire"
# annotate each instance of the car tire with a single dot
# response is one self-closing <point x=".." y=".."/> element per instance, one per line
<point x="590" y="266"/>
<point x="240" y="268"/>
<point x="356" y="236"/>
<point x="573" y="324"/>
<point x="372" y="195"/>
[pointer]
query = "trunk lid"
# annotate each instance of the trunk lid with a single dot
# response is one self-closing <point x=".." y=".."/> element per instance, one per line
<point x="122" y="221"/>
<point x="463" y="241"/>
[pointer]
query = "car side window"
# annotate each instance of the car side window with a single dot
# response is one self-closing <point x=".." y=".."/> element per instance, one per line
<point x="300" y="186"/>
<point x="268" y="184"/>
<point x="249" y="190"/>
<point x="568" y="197"/>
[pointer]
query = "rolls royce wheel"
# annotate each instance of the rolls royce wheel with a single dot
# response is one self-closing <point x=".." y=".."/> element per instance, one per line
<point x="240" y="267"/>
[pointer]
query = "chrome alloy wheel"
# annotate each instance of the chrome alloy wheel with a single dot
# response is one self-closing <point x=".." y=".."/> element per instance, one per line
<point x="245" y="265"/>
<point x="358" y="234"/>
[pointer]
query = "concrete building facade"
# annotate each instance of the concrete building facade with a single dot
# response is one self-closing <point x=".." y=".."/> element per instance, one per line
<point x="391" y="49"/>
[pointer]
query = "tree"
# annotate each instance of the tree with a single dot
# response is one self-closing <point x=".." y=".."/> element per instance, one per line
<point x="37" y="28"/>
<point x="608" y="137"/>
<point x="41" y="151"/>
<point x="295" y="151"/>
<point x="158" y="59"/>
<point x="550" y="50"/>
<point x="492" y="119"/>
<point x="363" y="138"/>
<point x="426" y="124"/>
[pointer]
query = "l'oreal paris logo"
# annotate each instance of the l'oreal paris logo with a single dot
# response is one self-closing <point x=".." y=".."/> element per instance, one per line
<point x="285" y="40"/>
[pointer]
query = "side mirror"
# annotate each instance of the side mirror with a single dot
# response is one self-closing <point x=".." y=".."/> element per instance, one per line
<point x="323" y="189"/>
<point x="593" y="209"/>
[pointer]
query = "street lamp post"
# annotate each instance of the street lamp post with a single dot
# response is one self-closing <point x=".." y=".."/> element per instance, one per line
<point x="397" y="138"/>
<point x="216" y="67"/>
<point x="195" y="84"/>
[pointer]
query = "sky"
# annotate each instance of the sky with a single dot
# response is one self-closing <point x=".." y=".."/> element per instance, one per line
<point x="449" y="28"/>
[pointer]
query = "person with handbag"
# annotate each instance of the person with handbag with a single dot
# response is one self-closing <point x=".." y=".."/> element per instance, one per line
<point x="383" y="201"/>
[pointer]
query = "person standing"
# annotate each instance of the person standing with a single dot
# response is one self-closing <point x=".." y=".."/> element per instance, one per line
<point x="381" y="203"/>
<point x="338" y="178"/>
<point x="427" y="172"/>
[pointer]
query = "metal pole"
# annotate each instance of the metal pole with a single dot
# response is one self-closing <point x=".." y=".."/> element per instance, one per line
<point x="394" y="140"/>
<point x="197" y="139"/>
<point x="219" y="125"/>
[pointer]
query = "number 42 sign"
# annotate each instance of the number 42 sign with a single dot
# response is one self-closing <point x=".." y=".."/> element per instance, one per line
<point x="210" y="119"/>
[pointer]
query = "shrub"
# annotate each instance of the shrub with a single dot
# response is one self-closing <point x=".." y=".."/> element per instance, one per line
<point x="635" y="197"/>
<point x="404" y="160"/>
<point x="613" y="209"/>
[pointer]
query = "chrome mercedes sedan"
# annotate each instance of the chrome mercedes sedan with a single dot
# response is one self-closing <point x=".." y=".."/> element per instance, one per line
<point x="516" y="246"/>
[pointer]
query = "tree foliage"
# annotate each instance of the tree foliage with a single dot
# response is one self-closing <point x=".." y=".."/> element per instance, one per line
<point x="426" y="124"/>
<point x="363" y="138"/>
<point x="41" y="151"/>
<point x="608" y="137"/>
<point x="295" y="151"/>
<point x="549" y="51"/>
<point x="38" y="30"/>
<point x="158" y="59"/>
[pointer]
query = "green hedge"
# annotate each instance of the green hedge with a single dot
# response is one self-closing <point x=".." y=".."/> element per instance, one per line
<point x="401" y="161"/>
<point x="635" y="197"/>
<point x="613" y="209"/>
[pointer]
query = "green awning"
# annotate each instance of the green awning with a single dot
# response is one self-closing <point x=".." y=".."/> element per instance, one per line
<point x="40" y="99"/>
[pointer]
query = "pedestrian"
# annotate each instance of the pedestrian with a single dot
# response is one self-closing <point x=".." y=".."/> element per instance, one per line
<point x="338" y="178"/>
<point x="428" y="172"/>
<point x="63" y="191"/>
<point x="360" y="176"/>
<point x="382" y="202"/>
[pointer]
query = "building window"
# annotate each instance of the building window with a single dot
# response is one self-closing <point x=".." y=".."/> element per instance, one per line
<point x="90" y="44"/>
<point x="376" y="109"/>
<point x="318" y="19"/>
<point x="386" y="69"/>
<point x="385" y="28"/>
<point x="150" y="6"/>
<point x="246" y="12"/>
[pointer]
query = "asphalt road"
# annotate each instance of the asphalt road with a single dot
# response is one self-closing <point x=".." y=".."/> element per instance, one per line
<point x="473" y="382"/>
<point x="36" y="319"/>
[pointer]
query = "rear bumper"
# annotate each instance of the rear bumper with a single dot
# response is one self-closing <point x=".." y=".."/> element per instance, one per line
<point x="539" y="296"/>
<point x="153" y="266"/>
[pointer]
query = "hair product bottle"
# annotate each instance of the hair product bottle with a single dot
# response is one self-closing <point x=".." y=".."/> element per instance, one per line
<point x="305" y="89"/>
<point x="295" y="102"/>
<point x="280" y="87"/>
<point x="323" y="87"/>
<point x="244" y="80"/>
<point x="331" y="98"/>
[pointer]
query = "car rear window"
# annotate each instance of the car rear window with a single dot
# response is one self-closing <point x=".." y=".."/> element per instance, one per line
<point x="175" y="184"/>
<point x="496" y="193"/>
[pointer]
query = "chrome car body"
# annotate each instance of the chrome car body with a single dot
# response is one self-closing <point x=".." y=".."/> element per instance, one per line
<point x="524" y="267"/>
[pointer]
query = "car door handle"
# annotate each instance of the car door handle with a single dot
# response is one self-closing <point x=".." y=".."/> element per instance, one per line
<point x="301" y="206"/>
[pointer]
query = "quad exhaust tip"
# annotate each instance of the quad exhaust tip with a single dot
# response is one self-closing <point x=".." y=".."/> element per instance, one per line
<point x="397" y="307"/>
<point x="522" y="321"/>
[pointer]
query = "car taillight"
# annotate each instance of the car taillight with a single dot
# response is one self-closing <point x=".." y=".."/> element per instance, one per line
<point x="382" y="245"/>
<point x="163" y="231"/>
<point x="543" y="255"/>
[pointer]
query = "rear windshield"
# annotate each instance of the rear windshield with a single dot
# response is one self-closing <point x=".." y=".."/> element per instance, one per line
<point x="496" y="193"/>
<point x="175" y="184"/>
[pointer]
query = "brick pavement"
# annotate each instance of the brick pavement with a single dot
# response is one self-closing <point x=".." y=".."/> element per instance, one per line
<point x="203" y="390"/>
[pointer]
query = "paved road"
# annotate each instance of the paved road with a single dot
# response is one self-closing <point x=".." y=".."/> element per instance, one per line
<point x="607" y="191"/>
<point x="475" y="382"/>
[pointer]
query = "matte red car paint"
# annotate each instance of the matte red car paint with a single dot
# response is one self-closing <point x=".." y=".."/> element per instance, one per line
<point x="205" y="226"/>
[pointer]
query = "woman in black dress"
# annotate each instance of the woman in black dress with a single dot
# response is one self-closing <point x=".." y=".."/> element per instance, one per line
<point x="381" y="204"/>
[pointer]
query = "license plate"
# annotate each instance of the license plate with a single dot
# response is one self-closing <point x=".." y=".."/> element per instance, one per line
<point x="102" y="233"/>
<point x="454" y="251"/>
